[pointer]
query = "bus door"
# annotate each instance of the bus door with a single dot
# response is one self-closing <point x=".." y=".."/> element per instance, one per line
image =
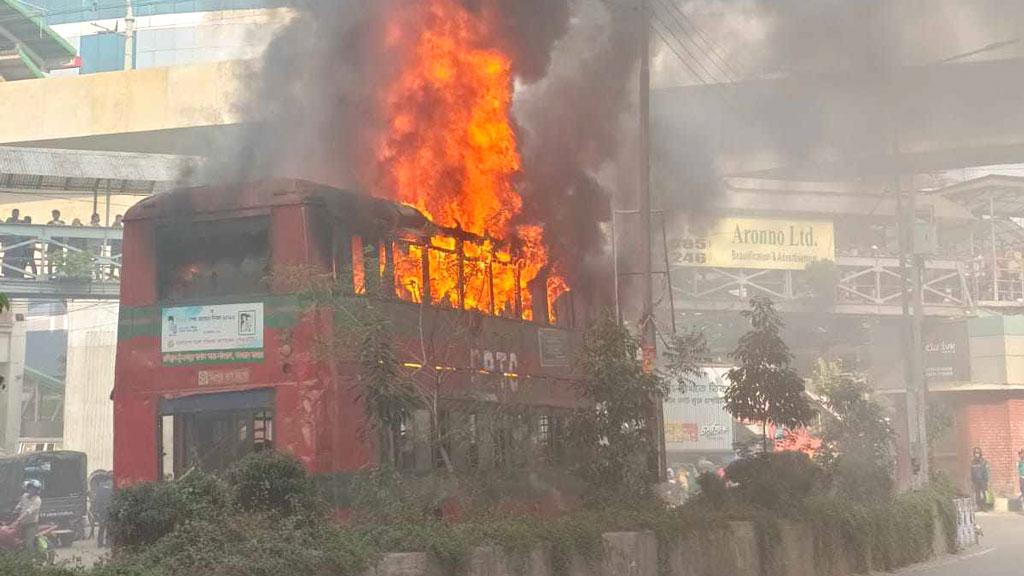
<point x="210" y="432"/>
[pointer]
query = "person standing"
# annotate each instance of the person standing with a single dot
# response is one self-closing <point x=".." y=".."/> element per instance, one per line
<point x="54" y="249"/>
<point x="979" y="478"/>
<point x="28" y="251"/>
<point x="96" y="246"/>
<point x="1020" y="472"/>
<point x="26" y="513"/>
<point x="101" y="506"/>
<point x="12" y="267"/>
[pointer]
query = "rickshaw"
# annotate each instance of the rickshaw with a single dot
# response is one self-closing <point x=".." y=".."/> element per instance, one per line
<point x="101" y="489"/>
<point x="63" y="474"/>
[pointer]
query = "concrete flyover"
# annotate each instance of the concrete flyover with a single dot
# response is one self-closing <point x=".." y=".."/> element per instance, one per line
<point x="158" y="110"/>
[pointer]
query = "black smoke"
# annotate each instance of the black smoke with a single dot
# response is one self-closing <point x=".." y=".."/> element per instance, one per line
<point x="315" y="90"/>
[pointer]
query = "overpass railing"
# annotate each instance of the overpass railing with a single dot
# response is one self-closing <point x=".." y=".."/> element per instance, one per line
<point x="41" y="260"/>
<point x="861" y="286"/>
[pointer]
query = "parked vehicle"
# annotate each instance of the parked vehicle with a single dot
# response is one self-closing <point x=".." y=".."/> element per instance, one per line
<point x="63" y="474"/>
<point x="46" y="541"/>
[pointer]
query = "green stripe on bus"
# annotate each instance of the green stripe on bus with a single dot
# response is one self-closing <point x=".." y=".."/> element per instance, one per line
<point x="279" y="312"/>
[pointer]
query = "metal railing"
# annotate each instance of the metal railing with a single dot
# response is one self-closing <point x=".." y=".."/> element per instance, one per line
<point x="865" y="285"/>
<point x="39" y="260"/>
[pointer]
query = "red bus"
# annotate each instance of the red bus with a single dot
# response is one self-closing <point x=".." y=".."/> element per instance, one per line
<point x="219" y="356"/>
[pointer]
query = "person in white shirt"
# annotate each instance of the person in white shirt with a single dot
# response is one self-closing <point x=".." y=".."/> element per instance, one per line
<point x="26" y="513"/>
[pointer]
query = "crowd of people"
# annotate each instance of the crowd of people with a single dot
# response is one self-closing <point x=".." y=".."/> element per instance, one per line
<point x="23" y="256"/>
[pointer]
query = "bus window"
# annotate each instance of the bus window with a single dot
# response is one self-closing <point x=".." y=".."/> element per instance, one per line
<point x="408" y="271"/>
<point x="358" y="266"/>
<point x="217" y="258"/>
<point x="505" y="289"/>
<point x="477" y="286"/>
<point x="444" y="274"/>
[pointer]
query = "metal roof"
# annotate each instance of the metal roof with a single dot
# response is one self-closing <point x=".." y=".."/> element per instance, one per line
<point x="31" y="170"/>
<point x="1001" y="195"/>
<point x="28" y="47"/>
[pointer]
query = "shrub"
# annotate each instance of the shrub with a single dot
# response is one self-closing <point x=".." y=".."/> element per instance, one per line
<point x="273" y="482"/>
<point x="775" y="481"/>
<point x="141" y="515"/>
<point x="712" y="487"/>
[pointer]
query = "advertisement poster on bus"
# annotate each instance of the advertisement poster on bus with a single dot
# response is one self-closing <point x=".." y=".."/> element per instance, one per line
<point x="758" y="243"/>
<point x="217" y="334"/>
<point x="695" y="417"/>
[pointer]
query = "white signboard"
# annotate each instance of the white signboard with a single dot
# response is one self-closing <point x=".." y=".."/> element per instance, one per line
<point x="695" y="418"/>
<point x="212" y="334"/>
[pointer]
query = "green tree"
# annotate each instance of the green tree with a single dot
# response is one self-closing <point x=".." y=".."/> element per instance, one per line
<point x="857" y="436"/>
<point x="764" y="388"/>
<point x="615" y="448"/>
<point x="388" y="396"/>
<point x="686" y="355"/>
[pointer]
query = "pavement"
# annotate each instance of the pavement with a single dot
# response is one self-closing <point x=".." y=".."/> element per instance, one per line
<point x="83" y="553"/>
<point x="1000" y="553"/>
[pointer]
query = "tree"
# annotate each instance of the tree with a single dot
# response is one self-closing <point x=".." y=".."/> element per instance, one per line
<point x="764" y="388"/>
<point x="614" y="445"/>
<point x="857" y="436"/>
<point x="686" y="355"/>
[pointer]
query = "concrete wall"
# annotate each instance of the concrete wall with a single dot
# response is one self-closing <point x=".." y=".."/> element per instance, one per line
<point x="88" y="410"/>
<point x="120" y="102"/>
<point x="12" y="369"/>
<point x="729" y="550"/>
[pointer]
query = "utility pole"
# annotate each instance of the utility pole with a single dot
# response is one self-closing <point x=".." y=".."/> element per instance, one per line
<point x="912" y="296"/>
<point x="129" y="36"/>
<point x="648" y="330"/>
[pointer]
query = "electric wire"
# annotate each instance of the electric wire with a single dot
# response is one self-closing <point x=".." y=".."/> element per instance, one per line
<point x="685" y="23"/>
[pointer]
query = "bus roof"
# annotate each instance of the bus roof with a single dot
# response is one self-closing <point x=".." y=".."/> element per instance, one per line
<point x="264" y="194"/>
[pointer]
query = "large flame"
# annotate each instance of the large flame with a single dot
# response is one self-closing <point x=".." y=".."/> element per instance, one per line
<point x="449" y="149"/>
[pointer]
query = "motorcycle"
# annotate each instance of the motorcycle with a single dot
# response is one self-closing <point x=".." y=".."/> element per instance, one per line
<point x="11" y="540"/>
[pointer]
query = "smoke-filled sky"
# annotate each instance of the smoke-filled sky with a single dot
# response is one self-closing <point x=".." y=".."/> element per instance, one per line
<point x="821" y="84"/>
<point x="828" y="87"/>
<point x="573" y="63"/>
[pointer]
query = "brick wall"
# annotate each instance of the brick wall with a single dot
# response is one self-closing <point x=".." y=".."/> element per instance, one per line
<point x="993" y="421"/>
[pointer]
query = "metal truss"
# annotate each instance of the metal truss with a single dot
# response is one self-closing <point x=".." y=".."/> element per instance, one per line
<point x="865" y="286"/>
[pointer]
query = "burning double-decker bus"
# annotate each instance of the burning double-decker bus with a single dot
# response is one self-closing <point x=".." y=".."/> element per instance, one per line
<point x="219" y="354"/>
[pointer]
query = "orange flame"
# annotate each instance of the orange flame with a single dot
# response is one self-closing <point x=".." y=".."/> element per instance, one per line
<point x="448" y="148"/>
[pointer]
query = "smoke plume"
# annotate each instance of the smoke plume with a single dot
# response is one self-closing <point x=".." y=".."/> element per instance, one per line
<point x="316" y="91"/>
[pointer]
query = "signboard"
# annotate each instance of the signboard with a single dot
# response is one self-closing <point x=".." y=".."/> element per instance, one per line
<point x="947" y="356"/>
<point x="695" y="418"/>
<point x="554" y="348"/>
<point x="212" y="334"/>
<point x="759" y="243"/>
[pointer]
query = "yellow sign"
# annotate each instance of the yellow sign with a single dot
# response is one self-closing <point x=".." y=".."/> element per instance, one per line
<point x="759" y="243"/>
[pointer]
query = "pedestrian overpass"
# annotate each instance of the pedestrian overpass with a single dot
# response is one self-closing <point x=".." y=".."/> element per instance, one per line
<point x="60" y="262"/>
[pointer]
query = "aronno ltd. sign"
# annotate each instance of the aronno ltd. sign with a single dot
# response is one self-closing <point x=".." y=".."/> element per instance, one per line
<point x="758" y="243"/>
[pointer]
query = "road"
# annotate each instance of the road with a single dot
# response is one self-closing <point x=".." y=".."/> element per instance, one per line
<point x="1001" y="552"/>
<point x="84" y="554"/>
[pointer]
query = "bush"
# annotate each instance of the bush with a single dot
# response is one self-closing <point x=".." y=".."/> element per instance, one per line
<point x="141" y="515"/>
<point x="273" y="482"/>
<point x="775" y="481"/>
<point x="712" y="488"/>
